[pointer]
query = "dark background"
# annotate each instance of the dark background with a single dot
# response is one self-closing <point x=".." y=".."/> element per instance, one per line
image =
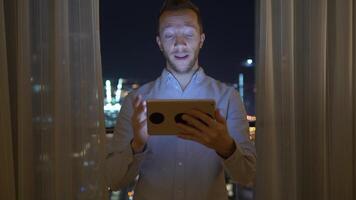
<point x="129" y="50"/>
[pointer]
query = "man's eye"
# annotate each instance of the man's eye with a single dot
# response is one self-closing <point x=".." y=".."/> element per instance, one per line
<point x="168" y="36"/>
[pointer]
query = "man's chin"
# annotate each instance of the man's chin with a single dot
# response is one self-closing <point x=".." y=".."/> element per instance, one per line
<point x="182" y="67"/>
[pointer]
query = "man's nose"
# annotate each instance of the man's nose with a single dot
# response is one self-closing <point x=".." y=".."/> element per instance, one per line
<point x="180" y="40"/>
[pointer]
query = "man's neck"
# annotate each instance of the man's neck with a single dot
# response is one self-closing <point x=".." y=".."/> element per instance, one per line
<point x="184" y="78"/>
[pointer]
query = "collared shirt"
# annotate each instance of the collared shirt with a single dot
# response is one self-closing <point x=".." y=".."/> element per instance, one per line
<point x="171" y="168"/>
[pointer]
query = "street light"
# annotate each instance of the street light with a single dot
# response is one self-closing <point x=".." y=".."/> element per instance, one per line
<point x="248" y="63"/>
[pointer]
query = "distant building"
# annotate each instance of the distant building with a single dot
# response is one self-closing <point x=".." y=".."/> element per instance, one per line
<point x="114" y="96"/>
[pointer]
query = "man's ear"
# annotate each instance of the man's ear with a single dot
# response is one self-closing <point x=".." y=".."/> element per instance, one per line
<point x="202" y="39"/>
<point x="158" y="40"/>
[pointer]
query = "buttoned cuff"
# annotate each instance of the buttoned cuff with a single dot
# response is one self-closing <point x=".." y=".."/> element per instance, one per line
<point x="235" y="156"/>
<point x="135" y="157"/>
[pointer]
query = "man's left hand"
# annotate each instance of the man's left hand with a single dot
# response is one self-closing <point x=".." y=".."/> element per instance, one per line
<point x="207" y="131"/>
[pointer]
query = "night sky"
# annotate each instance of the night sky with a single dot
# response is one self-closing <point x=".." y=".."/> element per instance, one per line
<point x="129" y="50"/>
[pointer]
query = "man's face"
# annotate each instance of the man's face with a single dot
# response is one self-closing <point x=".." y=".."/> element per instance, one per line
<point x="180" y="39"/>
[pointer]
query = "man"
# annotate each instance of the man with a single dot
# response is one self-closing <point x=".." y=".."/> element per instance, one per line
<point x="190" y="165"/>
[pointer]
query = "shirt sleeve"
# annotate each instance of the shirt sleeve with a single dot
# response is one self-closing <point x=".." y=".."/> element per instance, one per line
<point x="122" y="165"/>
<point x="241" y="165"/>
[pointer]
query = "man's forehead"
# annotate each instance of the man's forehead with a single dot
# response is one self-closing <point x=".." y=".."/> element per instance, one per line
<point x="183" y="25"/>
<point x="179" y="18"/>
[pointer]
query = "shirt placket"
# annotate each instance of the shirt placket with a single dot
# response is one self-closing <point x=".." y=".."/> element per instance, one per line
<point x="179" y="192"/>
<point x="179" y="93"/>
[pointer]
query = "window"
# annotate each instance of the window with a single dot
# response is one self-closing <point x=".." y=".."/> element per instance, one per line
<point x="131" y="57"/>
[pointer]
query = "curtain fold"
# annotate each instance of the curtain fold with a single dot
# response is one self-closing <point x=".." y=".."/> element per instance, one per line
<point x="56" y="134"/>
<point x="306" y="99"/>
<point x="7" y="175"/>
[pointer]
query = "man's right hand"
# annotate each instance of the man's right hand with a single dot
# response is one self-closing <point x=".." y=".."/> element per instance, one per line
<point x="139" y="125"/>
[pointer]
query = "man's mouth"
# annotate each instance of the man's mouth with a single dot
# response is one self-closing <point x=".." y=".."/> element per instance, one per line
<point x="181" y="57"/>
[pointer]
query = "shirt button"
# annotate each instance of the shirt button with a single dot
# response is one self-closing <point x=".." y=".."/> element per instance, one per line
<point x="180" y="163"/>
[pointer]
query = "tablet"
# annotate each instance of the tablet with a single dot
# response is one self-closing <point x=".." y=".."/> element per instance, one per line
<point x="162" y="115"/>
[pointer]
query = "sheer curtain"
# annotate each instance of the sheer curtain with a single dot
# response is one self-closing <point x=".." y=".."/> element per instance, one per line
<point x="306" y="101"/>
<point x="7" y="184"/>
<point x="52" y="126"/>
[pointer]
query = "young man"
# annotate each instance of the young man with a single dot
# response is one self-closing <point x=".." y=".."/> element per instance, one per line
<point x="190" y="165"/>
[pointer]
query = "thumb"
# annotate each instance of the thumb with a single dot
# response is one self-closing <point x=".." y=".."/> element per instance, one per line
<point x="219" y="117"/>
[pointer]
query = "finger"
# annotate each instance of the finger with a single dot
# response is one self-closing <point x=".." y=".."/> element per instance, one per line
<point x="204" y="117"/>
<point x="141" y="107"/>
<point x="203" y="137"/>
<point x="141" y="117"/>
<point x="144" y="104"/>
<point x="138" y="117"/>
<point x="140" y="122"/>
<point x="140" y="112"/>
<point x="143" y="124"/>
<point x="138" y="104"/>
<point x="140" y="128"/>
<point x="190" y="137"/>
<point x="193" y="134"/>
<point x="188" y="130"/>
<point x="195" y="122"/>
<point x="137" y="101"/>
<point x="219" y="117"/>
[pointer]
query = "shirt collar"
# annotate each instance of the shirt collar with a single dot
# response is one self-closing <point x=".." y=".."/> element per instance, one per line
<point x="198" y="76"/>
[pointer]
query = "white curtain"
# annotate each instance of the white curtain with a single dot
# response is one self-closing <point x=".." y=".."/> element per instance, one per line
<point x="306" y="105"/>
<point x="52" y="126"/>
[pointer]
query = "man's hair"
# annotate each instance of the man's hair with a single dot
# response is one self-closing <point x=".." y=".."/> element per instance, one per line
<point x="176" y="5"/>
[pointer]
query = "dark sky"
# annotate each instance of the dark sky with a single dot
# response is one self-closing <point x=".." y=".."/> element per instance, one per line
<point x="128" y="35"/>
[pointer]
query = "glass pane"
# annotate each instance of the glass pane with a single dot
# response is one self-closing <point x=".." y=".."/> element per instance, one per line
<point x="131" y="57"/>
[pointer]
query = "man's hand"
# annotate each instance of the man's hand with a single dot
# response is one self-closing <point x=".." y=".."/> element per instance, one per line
<point x="207" y="131"/>
<point x="139" y="125"/>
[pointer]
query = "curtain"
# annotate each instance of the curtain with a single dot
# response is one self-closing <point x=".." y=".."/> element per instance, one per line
<point x="306" y="105"/>
<point x="7" y="184"/>
<point x="52" y="122"/>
